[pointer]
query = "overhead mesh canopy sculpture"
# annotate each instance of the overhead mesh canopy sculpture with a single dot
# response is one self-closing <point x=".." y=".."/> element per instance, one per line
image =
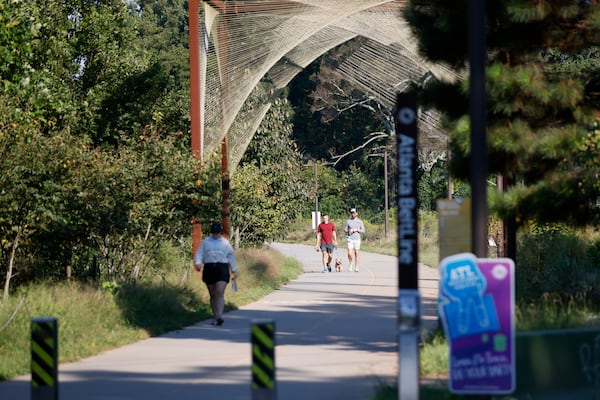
<point x="250" y="48"/>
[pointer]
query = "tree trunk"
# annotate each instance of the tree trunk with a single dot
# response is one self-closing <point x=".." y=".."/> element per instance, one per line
<point x="510" y="237"/>
<point x="68" y="265"/>
<point x="509" y="229"/>
<point x="11" y="264"/>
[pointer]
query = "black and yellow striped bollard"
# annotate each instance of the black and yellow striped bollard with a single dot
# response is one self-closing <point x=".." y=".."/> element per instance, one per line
<point x="263" y="360"/>
<point x="44" y="359"/>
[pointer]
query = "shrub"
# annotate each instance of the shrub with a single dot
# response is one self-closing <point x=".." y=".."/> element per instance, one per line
<point x="553" y="259"/>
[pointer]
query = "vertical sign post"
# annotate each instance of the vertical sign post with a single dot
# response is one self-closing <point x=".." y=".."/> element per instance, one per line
<point x="409" y="313"/>
<point x="478" y="112"/>
<point x="263" y="360"/>
<point x="316" y="220"/>
<point x="44" y="359"/>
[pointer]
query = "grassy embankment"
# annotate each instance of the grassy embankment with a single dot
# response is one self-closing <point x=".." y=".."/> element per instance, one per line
<point x="95" y="318"/>
<point x="98" y="317"/>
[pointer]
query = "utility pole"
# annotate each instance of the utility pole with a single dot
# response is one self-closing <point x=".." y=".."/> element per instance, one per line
<point x="478" y="112"/>
<point x="385" y="188"/>
<point x="316" y="194"/>
<point x="479" y="151"/>
<point x="315" y="220"/>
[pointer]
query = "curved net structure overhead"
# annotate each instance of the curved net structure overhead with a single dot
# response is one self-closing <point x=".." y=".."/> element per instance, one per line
<point x="251" y="48"/>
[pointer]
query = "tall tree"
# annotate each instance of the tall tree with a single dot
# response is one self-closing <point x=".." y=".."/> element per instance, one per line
<point x="540" y="114"/>
<point x="333" y="117"/>
<point x="268" y="189"/>
<point x="81" y="52"/>
<point x="106" y="69"/>
<point x="345" y="128"/>
<point x="63" y="67"/>
<point x="157" y="86"/>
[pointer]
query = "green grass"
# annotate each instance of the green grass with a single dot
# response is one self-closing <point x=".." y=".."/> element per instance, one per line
<point x="433" y="356"/>
<point x="96" y="318"/>
<point x="385" y="392"/>
<point x="89" y="321"/>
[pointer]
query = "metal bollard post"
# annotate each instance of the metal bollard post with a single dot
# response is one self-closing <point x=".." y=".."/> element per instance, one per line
<point x="44" y="359"/>
<point x="263" y="360"/>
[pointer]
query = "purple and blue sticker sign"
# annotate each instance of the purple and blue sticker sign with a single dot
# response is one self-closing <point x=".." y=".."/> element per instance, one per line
<point x="477" y="309"/>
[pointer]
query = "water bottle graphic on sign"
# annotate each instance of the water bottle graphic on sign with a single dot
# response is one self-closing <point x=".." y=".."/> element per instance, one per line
<point x="467" y="308"/>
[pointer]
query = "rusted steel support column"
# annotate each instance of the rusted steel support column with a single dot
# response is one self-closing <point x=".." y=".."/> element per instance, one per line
<point x="195" y="114"/>
<point x="226" y="200"/>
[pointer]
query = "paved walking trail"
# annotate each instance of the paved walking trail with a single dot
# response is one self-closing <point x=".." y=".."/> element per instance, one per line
<point x="335" y="339"/>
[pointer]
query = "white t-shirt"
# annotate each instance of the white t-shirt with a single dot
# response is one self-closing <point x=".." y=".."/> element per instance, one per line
<point x="215" y="250"/>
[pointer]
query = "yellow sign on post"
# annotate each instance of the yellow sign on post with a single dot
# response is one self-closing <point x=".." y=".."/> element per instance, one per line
<point x="454" y="219"/>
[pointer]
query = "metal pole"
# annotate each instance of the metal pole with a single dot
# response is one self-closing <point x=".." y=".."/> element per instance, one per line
<point x="409" y="313"/>
<point x="449" y="180"/>
<point x="478" y="114"/>
<point x="225" y="189"/>
<point x="195" y="105"/>
<point x="195" y="114"/>
<point x="316" y="194"/>
<point x="478" y="111"/>
<point x="225" y="184"/>
<point x="385" y="185"/>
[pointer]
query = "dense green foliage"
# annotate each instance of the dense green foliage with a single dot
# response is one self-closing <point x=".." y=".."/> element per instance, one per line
<point x="346" y="132"/>
<point x="559" y="262"/>
<point x="338" y="118"/>
<point x="96" y="171"/>
<point x="268" y="188"/>
<point x="65" y="205"/>
<point x="349" y="133"/>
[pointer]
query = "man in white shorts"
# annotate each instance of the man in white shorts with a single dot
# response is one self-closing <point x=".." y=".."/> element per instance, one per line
<point x="353" y="228"/>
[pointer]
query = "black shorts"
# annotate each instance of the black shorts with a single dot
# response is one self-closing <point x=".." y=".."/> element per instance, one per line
<point x="327" y="247"/>
<point x="215" y="272"/>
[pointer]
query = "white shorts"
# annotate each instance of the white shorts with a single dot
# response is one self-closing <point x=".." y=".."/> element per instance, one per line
<point x="353" y="244"/>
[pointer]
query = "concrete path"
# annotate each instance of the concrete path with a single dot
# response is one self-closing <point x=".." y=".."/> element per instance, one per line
<point x="335" y="339"/>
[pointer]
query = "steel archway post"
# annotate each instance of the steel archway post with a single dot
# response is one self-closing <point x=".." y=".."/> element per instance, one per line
<point x="195" y="105"/>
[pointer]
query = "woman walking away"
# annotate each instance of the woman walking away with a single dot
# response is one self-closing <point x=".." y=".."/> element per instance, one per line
<point x="215" y="258"/>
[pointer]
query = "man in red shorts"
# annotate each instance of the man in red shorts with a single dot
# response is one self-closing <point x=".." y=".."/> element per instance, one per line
<point x="326" y="241"/>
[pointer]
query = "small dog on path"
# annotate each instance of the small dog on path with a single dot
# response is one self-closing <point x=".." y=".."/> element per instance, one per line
<point x="338" y="265"/>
